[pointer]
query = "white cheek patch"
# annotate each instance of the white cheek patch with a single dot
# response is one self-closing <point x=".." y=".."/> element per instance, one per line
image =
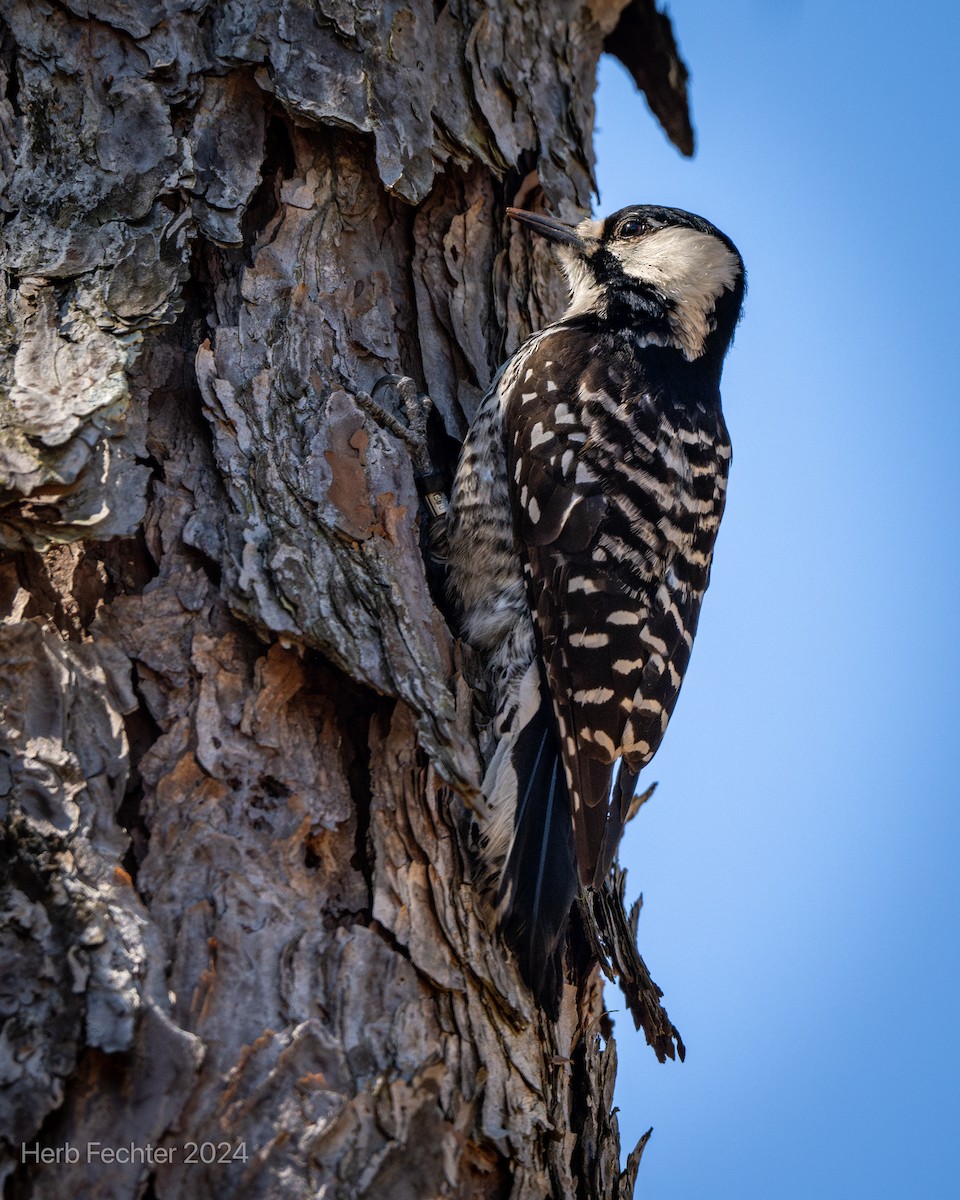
<point x="690" y="268"/>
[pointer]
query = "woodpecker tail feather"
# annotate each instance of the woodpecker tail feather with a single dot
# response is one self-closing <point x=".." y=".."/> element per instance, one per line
<point x="538" y="879"/>
<point x="623" y="787"/>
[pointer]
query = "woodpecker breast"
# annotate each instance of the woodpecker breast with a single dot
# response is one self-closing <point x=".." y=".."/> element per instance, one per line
<point x="581" y="530"/>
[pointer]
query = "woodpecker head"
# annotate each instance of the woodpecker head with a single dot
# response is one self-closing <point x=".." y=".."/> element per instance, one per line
<point x="670" y="275"/>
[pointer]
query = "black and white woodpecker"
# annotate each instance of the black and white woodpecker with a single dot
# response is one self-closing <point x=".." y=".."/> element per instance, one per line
<point x="581" y="529"/>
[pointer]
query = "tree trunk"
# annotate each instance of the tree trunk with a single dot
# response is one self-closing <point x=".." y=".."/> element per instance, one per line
<point x="239" y="912"/>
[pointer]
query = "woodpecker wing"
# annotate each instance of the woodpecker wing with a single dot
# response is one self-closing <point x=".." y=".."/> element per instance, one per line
<point x="617" y="491"/>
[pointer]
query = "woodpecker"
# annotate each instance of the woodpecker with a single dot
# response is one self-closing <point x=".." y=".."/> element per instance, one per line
<point x="580" y="534"/>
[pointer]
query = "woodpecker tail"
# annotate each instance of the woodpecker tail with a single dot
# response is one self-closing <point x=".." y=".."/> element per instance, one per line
<point x="538" y="879"/>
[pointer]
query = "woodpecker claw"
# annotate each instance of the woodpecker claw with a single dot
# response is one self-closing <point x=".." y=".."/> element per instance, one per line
<point x="417" y="406"/>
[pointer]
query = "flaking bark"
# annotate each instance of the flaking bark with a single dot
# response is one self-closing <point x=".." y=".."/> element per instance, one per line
<point x="239" y="740"/>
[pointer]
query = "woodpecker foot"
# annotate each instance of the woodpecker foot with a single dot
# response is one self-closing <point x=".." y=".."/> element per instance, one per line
<point x="417" y="406"/>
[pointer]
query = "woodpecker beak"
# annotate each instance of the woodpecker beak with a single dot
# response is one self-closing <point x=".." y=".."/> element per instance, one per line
<point x="549" y="227"/>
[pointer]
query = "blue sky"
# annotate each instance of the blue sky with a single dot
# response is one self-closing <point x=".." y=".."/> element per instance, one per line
<point x="799" y="860"/>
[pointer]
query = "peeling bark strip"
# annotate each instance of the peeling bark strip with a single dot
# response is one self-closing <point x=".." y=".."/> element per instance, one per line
<point x="236" y="885"/>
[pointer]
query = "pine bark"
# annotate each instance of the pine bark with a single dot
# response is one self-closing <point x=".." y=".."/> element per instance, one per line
<point x="239" y="738"/>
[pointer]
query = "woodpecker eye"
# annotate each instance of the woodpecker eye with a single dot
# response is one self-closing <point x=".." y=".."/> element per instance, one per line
<point x="631" y="228"/>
